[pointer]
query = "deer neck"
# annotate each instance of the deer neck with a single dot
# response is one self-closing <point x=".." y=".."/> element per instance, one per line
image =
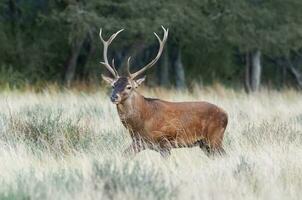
<point x="132" y="107"/>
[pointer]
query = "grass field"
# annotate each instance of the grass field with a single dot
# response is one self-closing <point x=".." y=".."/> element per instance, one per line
<point x="68" y="145"/>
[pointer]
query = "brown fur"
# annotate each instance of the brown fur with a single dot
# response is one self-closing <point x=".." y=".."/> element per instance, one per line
<point x="162" y="125"/>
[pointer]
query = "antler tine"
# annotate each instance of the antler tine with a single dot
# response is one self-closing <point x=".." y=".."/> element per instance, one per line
<point x="128" y="66"/>
<point x="106" y="45"/>
<point x="113" y="66"/>
<point x="160" y="50"/>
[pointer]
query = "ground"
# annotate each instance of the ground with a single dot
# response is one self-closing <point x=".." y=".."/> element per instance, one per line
<point x="68" y="145"/>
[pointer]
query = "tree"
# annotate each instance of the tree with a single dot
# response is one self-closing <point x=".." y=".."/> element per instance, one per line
<point x="261" y="27"/>
<point x="208" y="41"/>
<point x="253" y="71"/>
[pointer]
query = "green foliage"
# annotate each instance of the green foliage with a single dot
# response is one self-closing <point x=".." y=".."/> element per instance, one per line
<point x="64" y="182"/>
<point x="136" y="177"/>
<point x="45" y="128"/>
<point x="37" y="37"/>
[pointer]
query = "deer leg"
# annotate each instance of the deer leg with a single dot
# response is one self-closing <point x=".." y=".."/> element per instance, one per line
<point x="205" y="147"/>
<point x="165" y="153"/>
<point x="218" y="149"/>
<point x="164" y="147"/>
<point x="215" y="142"/>
<point x="133" y="149"/>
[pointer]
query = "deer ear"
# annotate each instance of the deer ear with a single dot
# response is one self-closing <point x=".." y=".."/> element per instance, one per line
<point x="139" y="81"/>
<point x="107" y="79"/>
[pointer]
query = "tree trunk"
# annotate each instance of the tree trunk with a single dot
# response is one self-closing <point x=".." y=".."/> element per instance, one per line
<point x="253" y="71"/>
<point x="71" y="63"/>
<point x="293" y="68"/>
<point x="180" y="80"/>
<point x="86" y="70"/>
<point x="283" y="75"/>
<point x="247" y="78"/>
<point x="256" y="70"/>
<point x="286" y="63"/>
<point x="163" y="70"/>
<point x="282" y="65"/>
<point x="13" y="14"/>
<point x="296" y="74"/>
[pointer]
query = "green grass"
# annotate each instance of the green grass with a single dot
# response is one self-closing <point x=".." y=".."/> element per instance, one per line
<point x="68" y="145"/>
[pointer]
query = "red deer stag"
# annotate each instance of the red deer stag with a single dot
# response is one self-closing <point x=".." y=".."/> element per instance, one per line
<point x="162" y="125"/>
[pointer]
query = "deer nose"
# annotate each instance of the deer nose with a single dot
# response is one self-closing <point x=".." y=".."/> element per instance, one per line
<point x="114" y="97"/>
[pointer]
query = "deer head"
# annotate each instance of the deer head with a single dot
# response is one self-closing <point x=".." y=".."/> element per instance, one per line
<point x="123" y="86"/>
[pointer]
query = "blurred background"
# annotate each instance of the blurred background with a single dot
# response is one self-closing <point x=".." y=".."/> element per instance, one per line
<point x="240" y="44"/>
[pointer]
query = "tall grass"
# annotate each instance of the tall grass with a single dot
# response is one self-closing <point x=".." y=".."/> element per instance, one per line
<point x="67" y="145"/>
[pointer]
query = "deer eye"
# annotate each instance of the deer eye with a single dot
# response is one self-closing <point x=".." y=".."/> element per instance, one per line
<point x="128" y="87"/>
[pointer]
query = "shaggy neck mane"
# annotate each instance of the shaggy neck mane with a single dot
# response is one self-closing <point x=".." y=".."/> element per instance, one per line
<point x="133" y="106"/>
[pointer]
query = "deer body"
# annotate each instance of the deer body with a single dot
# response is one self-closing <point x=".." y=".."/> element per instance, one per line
<point x="163" y="125"/>
<point x="158" y="124"/>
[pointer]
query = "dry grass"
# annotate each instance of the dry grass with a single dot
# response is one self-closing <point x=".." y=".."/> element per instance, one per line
<point x="67" y="145"/>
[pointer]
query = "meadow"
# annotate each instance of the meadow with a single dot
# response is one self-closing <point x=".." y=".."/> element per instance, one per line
<point x="68" y="144"/>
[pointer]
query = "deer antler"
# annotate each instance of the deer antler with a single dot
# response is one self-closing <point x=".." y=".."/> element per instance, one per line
<point x="150" y="64"/>
<point x="106" y="45"/>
